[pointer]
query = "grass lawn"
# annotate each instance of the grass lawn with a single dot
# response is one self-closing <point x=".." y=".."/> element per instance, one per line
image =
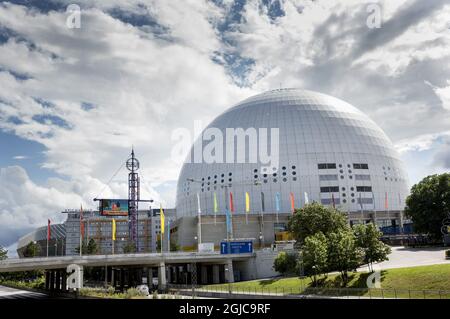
<point x="399" y="282"/>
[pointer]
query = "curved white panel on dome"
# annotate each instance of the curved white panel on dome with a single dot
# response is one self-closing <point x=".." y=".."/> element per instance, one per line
<point x="314" y="129"/>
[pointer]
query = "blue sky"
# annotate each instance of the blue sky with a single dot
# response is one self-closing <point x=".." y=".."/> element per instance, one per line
<point x="73" y="101"/>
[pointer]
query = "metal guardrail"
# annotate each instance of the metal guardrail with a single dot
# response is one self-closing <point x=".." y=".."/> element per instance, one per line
<point x="315" y="292"/>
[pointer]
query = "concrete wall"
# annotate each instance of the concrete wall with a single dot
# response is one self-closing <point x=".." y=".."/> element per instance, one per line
<point x="259" y="267"/>
<point x="261" y="229"/>
<point x="213" y="228"/>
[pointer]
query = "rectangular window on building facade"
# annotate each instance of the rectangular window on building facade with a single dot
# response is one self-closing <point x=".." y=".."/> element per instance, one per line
<point x="326" y="165"/>
<point x="329" y="189"/>
<point x="360" y="166"/>
<point x="362" y="177"/>
<point x="363" y="188"/>
<point x="329" y="177"/>
<point x="365" y="200"/>
<point x="329" y="201"/>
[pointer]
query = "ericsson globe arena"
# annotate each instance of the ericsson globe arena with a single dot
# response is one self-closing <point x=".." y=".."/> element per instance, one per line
<point x="298" y="146"/>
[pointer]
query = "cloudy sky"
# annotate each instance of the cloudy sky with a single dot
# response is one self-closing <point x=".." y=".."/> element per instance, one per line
<point x="74" y="100"/>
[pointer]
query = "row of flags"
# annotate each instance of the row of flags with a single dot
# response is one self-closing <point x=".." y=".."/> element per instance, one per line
<point x="278" y="202"/>
<point x="216" y="209"/>
<point x="247" y="202"/>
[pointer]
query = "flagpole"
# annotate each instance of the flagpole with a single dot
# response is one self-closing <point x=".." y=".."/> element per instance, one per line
<point x="247" y="207"/>
<point x="215" y="208"/>
<point x="81" y="230"/>
<point x="48" y="233"/>
<point x="168" y="235"/>
<point x="262" y="218"/>
<point x="81" y="241"/>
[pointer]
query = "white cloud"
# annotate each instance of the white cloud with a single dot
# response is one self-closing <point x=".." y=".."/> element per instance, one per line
<point x="444" y="94"/>
<point x="421" y="142"/>
<point x="20" y="157"/>
<point x="143" y="86"/>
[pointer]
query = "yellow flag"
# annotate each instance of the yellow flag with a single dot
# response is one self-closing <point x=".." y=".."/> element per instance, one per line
<point x="215" y="203"/>
<point x="113" y="229"/>
<point x="247" y="202"/>
<point x="161" y="215"/>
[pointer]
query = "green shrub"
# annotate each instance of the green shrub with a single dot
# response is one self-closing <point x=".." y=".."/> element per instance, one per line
<point x="285" y="263"/>
<point x="132" y="293"/>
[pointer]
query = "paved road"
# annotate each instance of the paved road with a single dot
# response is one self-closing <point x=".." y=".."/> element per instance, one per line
<point x="12" y="293"/>
<point x="402" y="257"/>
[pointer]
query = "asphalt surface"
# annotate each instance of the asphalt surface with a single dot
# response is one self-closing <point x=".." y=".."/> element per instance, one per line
<point x="402" y="257"/>
<point x="13" y="293"/>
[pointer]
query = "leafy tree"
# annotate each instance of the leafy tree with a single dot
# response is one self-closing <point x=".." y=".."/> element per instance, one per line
<point x="89" y="248"/>
<point x="314" y="218"/>
<point x="285" y="263"/>
<point x="32" y="249"/>
<point x="368" y="239"/>
<point x="92" y="247"/>
<point x="129" y="248"/>
<point x="314" y="256"/>
<point x="343" y="253"/>
<point x="84" y="249"/>
<point x="3" y="253"/>
<point x="429" y="203"/>
<point x="158" y="244"/>
<point x="174" y="246"/>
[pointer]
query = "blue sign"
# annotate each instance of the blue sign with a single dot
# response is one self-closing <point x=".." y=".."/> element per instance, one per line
<point x="236" y="247"/>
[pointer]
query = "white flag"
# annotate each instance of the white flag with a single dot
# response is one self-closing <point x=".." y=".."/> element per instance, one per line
<point x="306" y="198"/>
<point x="198" y="204"/>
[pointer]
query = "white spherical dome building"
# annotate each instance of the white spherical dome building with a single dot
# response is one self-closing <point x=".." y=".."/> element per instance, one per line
<point x="327" y="149"/>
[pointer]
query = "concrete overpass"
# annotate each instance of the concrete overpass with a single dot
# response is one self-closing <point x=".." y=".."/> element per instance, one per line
<point x="151" y="260"/>
<point x="212" y="267"/>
